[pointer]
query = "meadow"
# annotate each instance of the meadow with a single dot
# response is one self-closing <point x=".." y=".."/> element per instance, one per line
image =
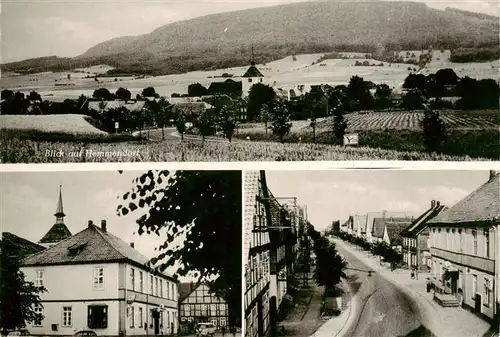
<point x="16" y="150"/>
<point x="70" y="123"/>
<point x="285" y="73"/>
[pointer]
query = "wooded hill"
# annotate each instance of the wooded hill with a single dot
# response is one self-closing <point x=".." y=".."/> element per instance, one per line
<point x="279" y="31"/>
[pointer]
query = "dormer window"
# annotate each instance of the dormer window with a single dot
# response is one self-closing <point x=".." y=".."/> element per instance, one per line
<point x="76" y="248"/>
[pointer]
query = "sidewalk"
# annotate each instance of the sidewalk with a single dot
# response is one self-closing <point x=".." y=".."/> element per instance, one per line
<point x="443" y="322"/>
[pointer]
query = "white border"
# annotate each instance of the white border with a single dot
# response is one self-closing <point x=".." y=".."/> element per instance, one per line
<point x="285" y="166"/>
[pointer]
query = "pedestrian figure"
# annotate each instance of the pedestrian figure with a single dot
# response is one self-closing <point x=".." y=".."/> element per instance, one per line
<point x="223" y="330"/>
<point x="233" y="330"/>
<point x="416" y="273"/>
<point x="412" y="274"/>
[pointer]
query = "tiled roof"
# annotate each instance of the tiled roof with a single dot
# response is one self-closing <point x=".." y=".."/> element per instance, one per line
<point x="420" y="223"/>
<point x="380" y="223"/>
<point x="191" y="107"/>
<point x="186" y="288"/>
<point x="394" y="230"/>
<point x="90" y="245"/>
<point x="17" y="247"/>
<point x="252" y="71"/>
<point x="370" y="217"/>
<point x="481" y="205"/>
<point x="131" y="105"/>
<point x="359" y="222"/>
<point x="56" y="233"/>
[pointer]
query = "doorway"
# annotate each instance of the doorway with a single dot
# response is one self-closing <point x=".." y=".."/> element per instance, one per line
<point x="156" y="322"/>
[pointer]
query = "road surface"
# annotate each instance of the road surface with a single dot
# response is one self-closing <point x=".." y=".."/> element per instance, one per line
<point x="383" y="310"/>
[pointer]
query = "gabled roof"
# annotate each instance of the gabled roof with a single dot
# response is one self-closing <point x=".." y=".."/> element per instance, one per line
<point x="481" y="205"/>
<point x="420" y="223"/>
<point x="371" y="216"/>
<point x="131" y="105"/>
<point x="252" y="71"/>
<point x="56" y="233"/>
<point x="380" y="223"/>
<point x="191" y="107"/>
<point x="185" y="289"/>
<point x="17" y="248"/>
<point x="394" y="230"/>
<point x="250" y="192"/>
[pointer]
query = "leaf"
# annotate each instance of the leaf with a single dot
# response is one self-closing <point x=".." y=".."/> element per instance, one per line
<point x="132" y="207"/>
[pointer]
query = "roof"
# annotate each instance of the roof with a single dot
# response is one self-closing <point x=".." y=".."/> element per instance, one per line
<point x="252" y="71"/>
<point x="185" y="289"/>
<point x="387" y="215"/>
<point x="129" y="105"/>
<point x="380" y="223"/>
<point x="17" y="247"/>
<point x="420" y="223"/>
<point x="481" y="205"/>
<point x="359" y="221"/>
<point x="191" y="107"/>
<point x="251" y="190"/>
<point x="88" y="246"/>
<point x="394" y="230"/>
<point x="56" y="233"/>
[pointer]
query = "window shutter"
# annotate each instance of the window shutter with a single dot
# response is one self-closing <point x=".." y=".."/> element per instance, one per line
<point x="105" y="317"/>
<point x="89" y="317"/>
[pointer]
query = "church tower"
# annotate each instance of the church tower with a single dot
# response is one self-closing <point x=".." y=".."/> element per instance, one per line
<point x="58" y="231"/>
<point x="251" y="76"/>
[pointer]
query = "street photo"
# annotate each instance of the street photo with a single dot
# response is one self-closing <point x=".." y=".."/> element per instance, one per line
<point x="252" y="81"/>
<point x="360" y="253"/>
<point x="121" y="253"/>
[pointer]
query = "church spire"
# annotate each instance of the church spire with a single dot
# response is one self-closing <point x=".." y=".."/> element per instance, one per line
<point x="59" y="211"/>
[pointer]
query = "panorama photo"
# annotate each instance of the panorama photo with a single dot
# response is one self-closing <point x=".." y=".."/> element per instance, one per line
<point x="95" y="81"/>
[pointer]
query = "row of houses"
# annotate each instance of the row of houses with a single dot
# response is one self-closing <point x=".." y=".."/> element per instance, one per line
<point x="96" y="281"/>
<point x="271" y="243"/>
<point x="459" y="246"/>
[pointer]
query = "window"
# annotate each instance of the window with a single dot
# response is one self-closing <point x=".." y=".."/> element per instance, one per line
<point x="38" y="309"/>
<point x="141" y="281"/>
<point x="474" y="237"/>
<point x="173" y="291"/>
<point x="474" y="285"/>
<point x="130" y="316"/>
<point x="97" y="316"/>
<point x="461" y="248"/>
<point x="98" y="278"/>
<point x="161" y="288"/>
<point x="156" y="286"/>
<point x="487" y="292"/>
<point x="486" y="242"/>
<point x="132" y="278"/>
<point x="67" y="319"/>
<point x="151" y="284"/>
<point x="141" y="317"/>
<point x="249" y="80"/>
<point x="168" y="290"/>
<point x="39" y="278"/>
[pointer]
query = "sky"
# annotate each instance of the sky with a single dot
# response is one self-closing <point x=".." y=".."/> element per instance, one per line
<point x="29" y="200"/>
<point x="35" y="28"/>
<point x="335" y="195"/>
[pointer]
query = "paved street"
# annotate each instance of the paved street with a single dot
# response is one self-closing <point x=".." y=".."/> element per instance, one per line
<point x="443" y="322"/>
<point x="383" y="309"/>
<point x="238" y="334"/>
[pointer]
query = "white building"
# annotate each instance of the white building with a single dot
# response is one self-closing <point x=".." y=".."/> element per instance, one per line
<point x="465" y="251"/>
<point x="96" y="281"/>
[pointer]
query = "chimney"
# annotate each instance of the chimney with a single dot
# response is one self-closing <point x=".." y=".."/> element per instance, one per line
<point x="103" y="225"/>
<point x="90" y="223"/>
<point x="493" y="174"/>
<point x="433" y="203"/>
<point x="191" y="286"/>
<point x="438" y="203"/>
<point x="132" y="245"/>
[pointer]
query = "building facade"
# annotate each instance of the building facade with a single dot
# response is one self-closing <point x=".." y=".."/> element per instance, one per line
<point x="96" y="281"/>
<point x="202" y="305"/>
<point x="465" y="251"/>
<point x="269" y="254"/>
<point x="416" y="245"/>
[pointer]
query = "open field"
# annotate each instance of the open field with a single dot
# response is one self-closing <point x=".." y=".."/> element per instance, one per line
<point x="397" y="120"/>
<point x="286" y="72"/>
<point x="71" y="124"/>
<point x="13" y="150"/>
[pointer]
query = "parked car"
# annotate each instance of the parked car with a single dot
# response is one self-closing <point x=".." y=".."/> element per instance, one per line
<point x="21" y="332"/>
<point x="205" y="329"/>
<point x="85" y="333"/>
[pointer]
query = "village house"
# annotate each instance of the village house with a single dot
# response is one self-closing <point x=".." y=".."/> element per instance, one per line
<point x="370" y="221"/>
<point x="465" y="253"/>
<point x="389" y="230"/>
<point x="269" y="255"/>
<point x="198" y="304"/>
<point x="96" y="281"/>
<point x="416" y="254"/>
<point x="103" y="106"/>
